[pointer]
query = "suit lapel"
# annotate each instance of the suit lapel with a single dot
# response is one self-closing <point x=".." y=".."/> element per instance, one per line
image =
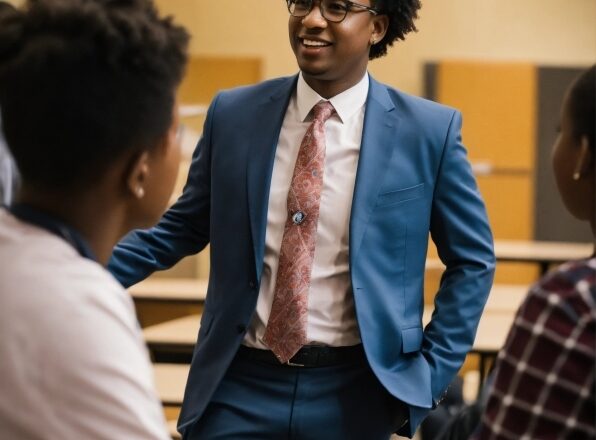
<point x="379" y="137"/>
<point x="268" y="118"/>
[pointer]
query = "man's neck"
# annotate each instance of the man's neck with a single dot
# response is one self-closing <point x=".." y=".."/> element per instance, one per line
<point x="98" y="221"/>
<point x="329" y="88"/>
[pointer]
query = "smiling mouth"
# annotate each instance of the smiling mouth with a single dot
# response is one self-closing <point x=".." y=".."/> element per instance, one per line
<point x="314" y="43"/>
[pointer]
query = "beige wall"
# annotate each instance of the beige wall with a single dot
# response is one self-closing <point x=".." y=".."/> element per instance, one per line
<point x="543" y="31"/>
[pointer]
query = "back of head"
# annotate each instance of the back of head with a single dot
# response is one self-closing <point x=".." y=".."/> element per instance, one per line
<point x="574" y="158"/>
<point x="83" y="82"/>
<point x="582" y="106"/>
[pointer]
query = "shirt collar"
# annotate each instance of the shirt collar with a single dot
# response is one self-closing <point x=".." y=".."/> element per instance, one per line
<point x="34" y="216"/>
<point x="346" y="104"/>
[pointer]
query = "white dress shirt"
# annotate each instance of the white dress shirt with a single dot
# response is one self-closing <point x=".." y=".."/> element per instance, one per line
<point x="73" y="364"/>
<point x="331" y="315"/>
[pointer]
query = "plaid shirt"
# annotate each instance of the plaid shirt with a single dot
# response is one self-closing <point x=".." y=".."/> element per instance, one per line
<point x="544" y="375"/>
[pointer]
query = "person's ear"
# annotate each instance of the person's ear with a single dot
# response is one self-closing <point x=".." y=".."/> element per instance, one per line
<point x="380" y="26"/>
<point x="138" y="174"/>
<point x="584" y="165"/>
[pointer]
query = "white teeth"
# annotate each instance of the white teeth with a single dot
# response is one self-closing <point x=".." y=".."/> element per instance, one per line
<point x="314" y="43"/>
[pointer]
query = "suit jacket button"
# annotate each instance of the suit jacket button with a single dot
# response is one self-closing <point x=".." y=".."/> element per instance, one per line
<point x="241" y="328"/>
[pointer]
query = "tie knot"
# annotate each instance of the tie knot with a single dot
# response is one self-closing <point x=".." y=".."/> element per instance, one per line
<point x="322" y="111"/>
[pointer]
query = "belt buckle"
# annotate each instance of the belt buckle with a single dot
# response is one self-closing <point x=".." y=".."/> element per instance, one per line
<point x="292" y="364"/>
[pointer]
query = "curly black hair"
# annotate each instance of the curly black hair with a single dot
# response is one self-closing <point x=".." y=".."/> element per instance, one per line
<point x="84" y="81"/>
<point x="402" y="14"/>
<point x="582" y="106"/>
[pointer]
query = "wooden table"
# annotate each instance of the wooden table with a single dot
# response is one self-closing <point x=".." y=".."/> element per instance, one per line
<point x="175" y="337"/>
<point x="180" y="335"/>
<point x="543" y="253"/>
<point x="172" y="428"/>
<point x="494" y="325"/>
<point x="505" y="298"/>
<point x="492" y="331"/>
<point x="170" y="381"/>
<point x="170" y="290"/>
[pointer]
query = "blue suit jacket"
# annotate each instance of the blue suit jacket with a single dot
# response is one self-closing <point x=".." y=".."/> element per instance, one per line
<point x="413" y="177"/>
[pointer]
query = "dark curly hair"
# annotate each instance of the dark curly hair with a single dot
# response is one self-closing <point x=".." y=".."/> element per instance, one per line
<point x="402" y="14"/>
<point x="582" y="104"/>
<point x="83" y="82"/>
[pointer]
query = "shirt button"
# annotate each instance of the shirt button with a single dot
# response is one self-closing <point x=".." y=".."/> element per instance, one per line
<point x="241" y="328"/>
<point x="252" y="284"/>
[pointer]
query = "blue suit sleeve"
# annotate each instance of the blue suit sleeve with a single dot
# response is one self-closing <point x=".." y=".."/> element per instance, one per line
<point x="183" y="230"/>
<point x="462" y="235"/>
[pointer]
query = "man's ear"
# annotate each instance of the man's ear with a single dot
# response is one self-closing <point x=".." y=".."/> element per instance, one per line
<point x="380" y="26"/>
<point x="138" y="172"/>
<point x="584" y="165"/>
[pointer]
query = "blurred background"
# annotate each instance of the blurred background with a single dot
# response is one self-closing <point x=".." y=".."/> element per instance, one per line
<point x="504" y="63"/>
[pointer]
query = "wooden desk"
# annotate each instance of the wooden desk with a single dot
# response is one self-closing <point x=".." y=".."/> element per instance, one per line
<point x="505" y="298"/>
<point x="494" y="325"/>
<point x="180" y="335"/>
<point x="176" y="290"/>
<point x="173" y="338"/>
<point x="170" y="381"/>
<point x="492" y="330"/>
<point x="492" y="333"/>
<point x="173" y="430"/>
<point x="490" y="338"/>
<point x="543" y="253"/>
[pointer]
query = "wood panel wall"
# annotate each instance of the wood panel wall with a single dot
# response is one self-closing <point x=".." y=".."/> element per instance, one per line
<point x="498" y="104"/>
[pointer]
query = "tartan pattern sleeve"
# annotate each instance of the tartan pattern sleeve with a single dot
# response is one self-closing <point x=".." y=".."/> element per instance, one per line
<point x="544" y="375"/>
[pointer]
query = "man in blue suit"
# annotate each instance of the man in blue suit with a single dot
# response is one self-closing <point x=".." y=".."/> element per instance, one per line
<point x="350" y="358"/>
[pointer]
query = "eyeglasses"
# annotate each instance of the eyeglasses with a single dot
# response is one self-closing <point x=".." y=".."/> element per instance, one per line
<point x="334" y="11"/>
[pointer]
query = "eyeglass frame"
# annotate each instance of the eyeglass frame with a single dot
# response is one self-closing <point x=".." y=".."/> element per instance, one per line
<point x="348" y="3"/>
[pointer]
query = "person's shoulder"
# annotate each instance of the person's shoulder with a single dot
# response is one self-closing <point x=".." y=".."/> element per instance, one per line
<point x="46" y="279"/>
<point x="572" y="278"/>
<point x="257" y="91"/>
<point x="570" y="289"/>
<point x="416" y="104"/>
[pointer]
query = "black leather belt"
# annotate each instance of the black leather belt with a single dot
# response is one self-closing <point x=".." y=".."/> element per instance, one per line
<point x="309" y="356"/>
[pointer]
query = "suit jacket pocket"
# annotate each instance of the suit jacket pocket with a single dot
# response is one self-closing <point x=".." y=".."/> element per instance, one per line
<point x="411" y="339"/>
<point x="401" y="195"/>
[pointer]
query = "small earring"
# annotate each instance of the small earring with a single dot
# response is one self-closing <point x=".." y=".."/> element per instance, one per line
<point x="577" y="172"/>
<point x="140" y="192"/>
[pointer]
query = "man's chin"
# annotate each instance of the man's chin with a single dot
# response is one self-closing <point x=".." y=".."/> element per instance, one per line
<point x="315" y="73"/>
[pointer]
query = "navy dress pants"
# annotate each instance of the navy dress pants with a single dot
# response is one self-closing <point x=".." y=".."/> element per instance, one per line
<point x="261" y="401"/>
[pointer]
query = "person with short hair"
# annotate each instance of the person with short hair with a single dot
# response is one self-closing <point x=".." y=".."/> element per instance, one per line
<point x="317" y="193"/>
<point x="87" y="94"/>
<point x="544" y="376"/>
